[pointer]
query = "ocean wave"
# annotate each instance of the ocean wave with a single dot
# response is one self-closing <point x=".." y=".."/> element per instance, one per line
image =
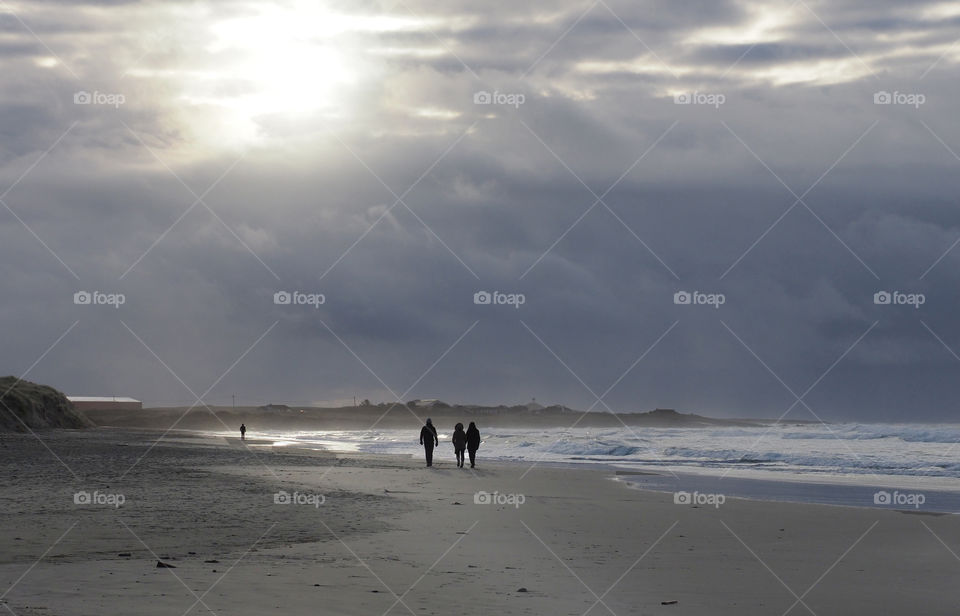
<point x="902" y="450"/>
<point x="581" y="448"/>
<point x="858" y="432"/>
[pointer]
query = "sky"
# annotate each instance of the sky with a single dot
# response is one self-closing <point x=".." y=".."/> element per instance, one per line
<point x="735" y="208"/>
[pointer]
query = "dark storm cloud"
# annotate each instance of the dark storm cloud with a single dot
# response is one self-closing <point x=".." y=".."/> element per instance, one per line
<point x="499" y="211"/>
<point x="767" y="53"/>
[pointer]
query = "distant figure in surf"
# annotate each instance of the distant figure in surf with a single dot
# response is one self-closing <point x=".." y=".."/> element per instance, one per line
<point x="459" y="443"/>
<point x="429" y="439"/>
<point x="473" y="442"/>
<point x="243" y="432"/>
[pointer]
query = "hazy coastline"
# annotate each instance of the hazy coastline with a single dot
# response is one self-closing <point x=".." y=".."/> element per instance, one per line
<point x="282" y="417"/>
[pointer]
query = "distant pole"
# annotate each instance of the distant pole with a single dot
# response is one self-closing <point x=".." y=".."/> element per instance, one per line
<point x="234" y="396"/>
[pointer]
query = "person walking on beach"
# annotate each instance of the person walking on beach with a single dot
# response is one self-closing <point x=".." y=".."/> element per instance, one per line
<point x="459" y="443"/>
<point x="473" y="442"/>
<point x="243" y="432"/>
<point x="429" y="439"/>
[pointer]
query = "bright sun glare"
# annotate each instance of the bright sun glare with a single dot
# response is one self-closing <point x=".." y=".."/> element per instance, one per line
<point x="278" y="60"/>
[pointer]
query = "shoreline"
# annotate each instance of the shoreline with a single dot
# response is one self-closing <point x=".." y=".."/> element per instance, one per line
<point x="805" y="493"/>
<point x="782" y="486"/>
<point x="748" y="484"/>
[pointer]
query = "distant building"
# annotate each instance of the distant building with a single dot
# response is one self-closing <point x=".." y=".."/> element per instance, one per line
<point x="119" y="403"/>
<point x="428" y="403"/>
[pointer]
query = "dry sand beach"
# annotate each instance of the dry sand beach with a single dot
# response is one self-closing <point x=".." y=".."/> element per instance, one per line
<point x="393" y="537"/>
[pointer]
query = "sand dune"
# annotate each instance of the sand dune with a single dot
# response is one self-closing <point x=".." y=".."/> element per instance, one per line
<point x="28" y="406"/>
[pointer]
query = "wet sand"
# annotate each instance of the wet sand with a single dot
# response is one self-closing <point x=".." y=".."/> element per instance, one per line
<point x="382" y="534"/>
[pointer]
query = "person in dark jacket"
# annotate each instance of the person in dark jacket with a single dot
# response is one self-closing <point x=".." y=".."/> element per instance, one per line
<point x="243" y="432"/>
<point x="473" y="442"/>
<point x="429" y="439"/>
<point x="459" y="443"/>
